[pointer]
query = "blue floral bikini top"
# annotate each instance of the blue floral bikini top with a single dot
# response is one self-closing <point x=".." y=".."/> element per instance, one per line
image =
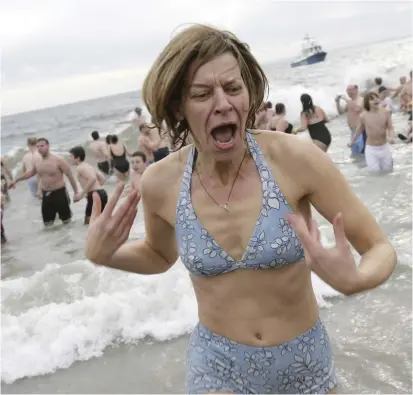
<point x="273" y="243"/>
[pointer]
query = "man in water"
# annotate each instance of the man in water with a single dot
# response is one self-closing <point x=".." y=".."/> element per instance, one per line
<point x="101" y="153"/>
<point x="51" y="169"/>
<point x="377" y="123"/>
<point x="136" y="121"/>
<point x="262" y="117"/>
<point x="403" y="102"/>
<point x="28" y="164"/>
<point x="353" y="107"/>
<point x="90" y="181"/>
<point x="406" y="92"/>
<point x="161" y="140"/>
<point x="146" y="143"/>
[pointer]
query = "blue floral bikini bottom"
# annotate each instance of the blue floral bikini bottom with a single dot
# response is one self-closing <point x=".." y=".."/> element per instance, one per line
<point x="304" y="365"/>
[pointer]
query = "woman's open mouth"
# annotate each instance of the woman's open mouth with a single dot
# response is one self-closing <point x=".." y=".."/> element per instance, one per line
<point x="224" y="135"/>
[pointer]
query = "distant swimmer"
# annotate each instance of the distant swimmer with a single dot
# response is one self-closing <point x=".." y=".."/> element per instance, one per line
<point x="101" y="153"/>
<point x="403" y="99"/>
<point x="262" y="117"/>
<point x="51" y="169"/>
<point x="353" y="107"/>
<point x="28" y="163"/>
<point x="138" y="163"/>
<point x="314" y="119"/>
<point x="90" y="180"/>
<point x="5" y="173"/>
<point x="118" y="153"/>
<point x="406" y="92"/>
<point x="147" y="142"/>
<point x="386" y="101"/>
<point x="278" y="122"/>
<point x="270" y="110"/>
<point x="136" y="121"/>
<point x="377" y="123"/>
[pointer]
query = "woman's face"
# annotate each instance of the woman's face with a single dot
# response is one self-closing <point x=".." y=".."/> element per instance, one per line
<point x="216" y="107"/>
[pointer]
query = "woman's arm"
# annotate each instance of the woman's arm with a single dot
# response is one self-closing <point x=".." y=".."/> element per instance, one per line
<point x="158" y="251"/>
<point x="330" y="194"/>
<point x="304" y="124"/>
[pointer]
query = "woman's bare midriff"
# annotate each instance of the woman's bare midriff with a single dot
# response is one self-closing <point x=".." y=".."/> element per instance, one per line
<point x="260" y="308"/>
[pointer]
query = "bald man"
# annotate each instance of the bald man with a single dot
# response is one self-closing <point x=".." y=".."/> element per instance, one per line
<point x="353" y="108"/>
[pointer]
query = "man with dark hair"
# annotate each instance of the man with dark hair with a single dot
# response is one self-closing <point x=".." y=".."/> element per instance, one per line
<point x="146" y="143"/>
<point x="377" y="123"/>
<point x="51" y="169"/>
<point x="101" y="152"/>
<point x="270" y="110"/>
<point x="90" y="180"/>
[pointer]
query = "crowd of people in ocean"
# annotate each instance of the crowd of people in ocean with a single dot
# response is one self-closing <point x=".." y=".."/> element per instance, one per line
<point x="369" y="118"/>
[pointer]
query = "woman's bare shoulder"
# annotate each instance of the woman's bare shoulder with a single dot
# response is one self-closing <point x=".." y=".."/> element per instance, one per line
<point x="282" y="146"/>
<point x="161" y="179"/>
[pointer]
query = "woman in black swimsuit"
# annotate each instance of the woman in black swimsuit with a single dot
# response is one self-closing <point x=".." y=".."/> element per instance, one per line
<point x="314" y="119"/>
<point x="278" y="122"/>
<point x="118" y="152"/>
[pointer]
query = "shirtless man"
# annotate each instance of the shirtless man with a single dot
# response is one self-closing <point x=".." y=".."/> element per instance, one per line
<point x="138" y="167"/>
<point x="353" y="108"/>
<point x="270" y="110"/>
<point x="51" y="169"/>
<point x="262" y="117"/>
<point x="136" y="121"/>
<point x="28" y="163"/>
<point x="403" y="103"/>
<point x="89" y="179"/>
<point x="162" y="141"/>
<point x="406" y="92"/>
<point x="146" y="142"/>
<point x="377" y="122"/>
<point x="101" y="152"/>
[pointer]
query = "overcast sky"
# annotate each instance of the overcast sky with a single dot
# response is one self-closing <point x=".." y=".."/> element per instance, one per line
<point x="60" y="51"/>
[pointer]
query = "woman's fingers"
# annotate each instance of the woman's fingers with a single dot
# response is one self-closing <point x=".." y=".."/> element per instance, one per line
<point x="128" y="225"/>
<point x="96" y="208"/>
<point x="315" y="232"/>
<point x="299" y="225"/>
<point x="127" y="218"/>
<point x="110" y="206"/>
<point x="339" y="233"/>
<point x="130" y="203"/>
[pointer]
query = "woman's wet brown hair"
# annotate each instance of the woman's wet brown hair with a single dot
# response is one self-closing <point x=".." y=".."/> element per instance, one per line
<point x="164" y="87"/>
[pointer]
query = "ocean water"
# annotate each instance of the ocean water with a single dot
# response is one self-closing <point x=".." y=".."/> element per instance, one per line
<point x="71" y="327"/>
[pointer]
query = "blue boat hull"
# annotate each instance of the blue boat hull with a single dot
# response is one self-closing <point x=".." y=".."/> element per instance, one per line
<point x="316" y="58"/>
